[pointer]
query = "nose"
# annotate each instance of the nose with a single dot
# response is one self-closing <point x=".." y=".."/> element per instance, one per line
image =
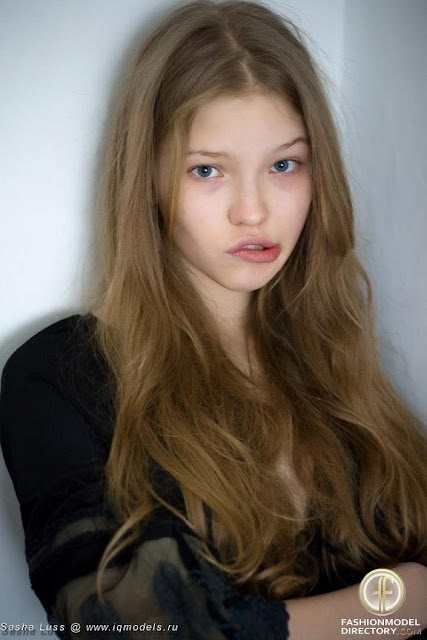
<point x="247" y="206"/>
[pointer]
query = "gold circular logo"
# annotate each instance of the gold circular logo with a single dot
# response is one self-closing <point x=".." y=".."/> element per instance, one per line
<point x="382" y="591"/>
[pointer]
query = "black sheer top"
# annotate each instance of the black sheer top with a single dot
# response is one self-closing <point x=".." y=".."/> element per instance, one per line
<point x="56" y="416"/>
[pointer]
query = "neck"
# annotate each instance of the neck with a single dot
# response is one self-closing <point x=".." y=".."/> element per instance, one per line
<point x="228" y="308"/>
<point x="230" y="320"/>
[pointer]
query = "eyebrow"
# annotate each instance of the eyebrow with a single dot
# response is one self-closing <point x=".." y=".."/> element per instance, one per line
<point x="285" y="145"/>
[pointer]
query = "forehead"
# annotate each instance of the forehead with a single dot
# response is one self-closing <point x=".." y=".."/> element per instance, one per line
<point x="242" y="120"/>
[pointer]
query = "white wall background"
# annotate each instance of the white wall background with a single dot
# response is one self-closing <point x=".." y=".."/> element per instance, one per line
<point x="59" y="60"/>
<point x="385" y="92"/>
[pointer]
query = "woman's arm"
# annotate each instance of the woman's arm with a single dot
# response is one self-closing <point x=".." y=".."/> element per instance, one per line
<point x="55" y="430"/>
<point x="319" y="617"/>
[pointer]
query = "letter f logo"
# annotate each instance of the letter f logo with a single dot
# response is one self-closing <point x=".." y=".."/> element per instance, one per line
<point x="382" y="592"/>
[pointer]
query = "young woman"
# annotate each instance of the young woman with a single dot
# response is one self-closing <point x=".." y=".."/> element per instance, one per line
<point x="211" y="450"/>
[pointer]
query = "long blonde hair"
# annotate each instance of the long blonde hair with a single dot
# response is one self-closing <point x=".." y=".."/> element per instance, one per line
<point x="327" y="446"/>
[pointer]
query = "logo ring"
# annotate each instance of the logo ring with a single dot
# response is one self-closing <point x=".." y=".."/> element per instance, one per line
<point x="382" y="591"/>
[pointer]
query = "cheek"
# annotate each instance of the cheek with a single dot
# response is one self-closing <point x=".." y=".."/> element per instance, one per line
<point x="293" y="222"/>
<point x="304" y="208"/>
<point x="301" y="217"/>
<point x="198" y="214"/>
<point x="192" y="228"/>
<point x="293" y="209"/>
<point x="303" y="202"/>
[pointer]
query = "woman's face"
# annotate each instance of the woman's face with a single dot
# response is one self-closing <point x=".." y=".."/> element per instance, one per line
<point x="244" y="196"/>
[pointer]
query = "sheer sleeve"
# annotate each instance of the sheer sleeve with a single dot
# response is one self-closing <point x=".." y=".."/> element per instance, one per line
<point x="168" y="590"/>
<point x="55" y="446"/>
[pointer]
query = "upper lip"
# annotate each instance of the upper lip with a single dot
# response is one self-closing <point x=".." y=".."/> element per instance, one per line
<point x="267" y="244"/>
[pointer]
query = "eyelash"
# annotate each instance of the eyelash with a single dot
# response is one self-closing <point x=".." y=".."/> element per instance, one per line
<point x="209" y="166"/>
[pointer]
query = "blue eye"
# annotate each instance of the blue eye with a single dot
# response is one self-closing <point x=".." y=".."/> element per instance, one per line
<point x="204" y="171"/>
<point x="284" y="166"/>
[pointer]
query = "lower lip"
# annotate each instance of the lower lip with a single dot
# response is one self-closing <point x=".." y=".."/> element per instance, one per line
<point x="254" y="255"/>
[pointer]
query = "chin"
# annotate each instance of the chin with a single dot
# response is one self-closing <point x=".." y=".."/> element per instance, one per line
<point x="253" y="285"/>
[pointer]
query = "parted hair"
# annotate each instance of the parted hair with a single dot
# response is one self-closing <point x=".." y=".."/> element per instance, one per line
<point x="323" y="444"/>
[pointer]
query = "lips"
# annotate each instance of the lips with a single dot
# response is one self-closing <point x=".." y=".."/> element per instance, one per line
<point x="252" y="243"/>
<point x="259" y="250"/>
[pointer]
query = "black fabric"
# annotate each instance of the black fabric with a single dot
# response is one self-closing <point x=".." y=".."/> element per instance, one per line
<point x="56" y="416"/>
<point x="56" y="421"/>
